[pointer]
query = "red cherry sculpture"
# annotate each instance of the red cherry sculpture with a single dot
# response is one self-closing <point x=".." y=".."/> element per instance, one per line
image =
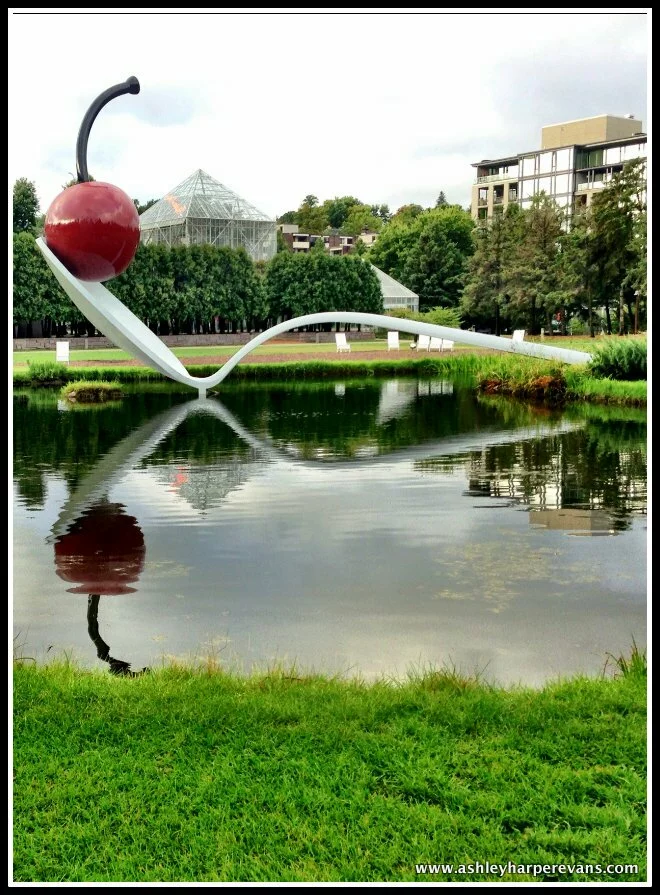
<point x="93" y="228"/>
<point x="103" y="552"/>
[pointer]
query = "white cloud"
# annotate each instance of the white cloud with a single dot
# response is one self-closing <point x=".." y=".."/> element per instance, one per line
<point x="391" y="107"/>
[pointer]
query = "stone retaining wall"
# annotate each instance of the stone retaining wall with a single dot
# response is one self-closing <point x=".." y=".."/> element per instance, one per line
<point x="76" y="343"/>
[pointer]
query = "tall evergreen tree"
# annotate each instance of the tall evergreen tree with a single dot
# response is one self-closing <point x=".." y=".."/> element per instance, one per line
<point x="484" y="298"/>
<point x="25" y="206"/>
<point x="618" y="243"/>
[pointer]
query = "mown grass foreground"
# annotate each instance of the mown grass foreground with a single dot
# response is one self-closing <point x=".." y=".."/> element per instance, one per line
<point x="192" y="775"/>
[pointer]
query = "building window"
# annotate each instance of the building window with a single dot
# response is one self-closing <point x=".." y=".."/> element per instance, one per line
<point x="545" y="163"/>
<point x="482" y="214"/>
<point x="589" y="158"/>
<point x="527" y="189"/>
<point x="544" y="185"/>
<point x="529" y="166"/>
<point x="563" y="159"/>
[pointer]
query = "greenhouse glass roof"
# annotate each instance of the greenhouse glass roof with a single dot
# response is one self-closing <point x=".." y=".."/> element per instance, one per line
<point x="200" y="196"/>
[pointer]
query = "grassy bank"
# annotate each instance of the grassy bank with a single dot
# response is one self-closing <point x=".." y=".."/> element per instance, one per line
<point x="461" y="364"/>
<point x="505" y="374"/>
<point x="86" y="392"/>
<point x="554" y="383"/>
<point x="193" y="775"/>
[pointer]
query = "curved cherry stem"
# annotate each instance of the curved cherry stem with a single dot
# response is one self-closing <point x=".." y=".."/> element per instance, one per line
<point x="130" y="85"/>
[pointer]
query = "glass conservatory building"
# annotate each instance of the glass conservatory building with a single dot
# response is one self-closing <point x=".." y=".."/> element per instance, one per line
<point x="201" y="211"/>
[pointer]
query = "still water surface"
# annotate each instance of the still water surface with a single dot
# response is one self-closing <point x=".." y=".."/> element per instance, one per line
<point x="363" y="528"/>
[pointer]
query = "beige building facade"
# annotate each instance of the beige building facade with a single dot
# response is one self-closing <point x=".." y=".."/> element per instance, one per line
<point x="576" y="159"/>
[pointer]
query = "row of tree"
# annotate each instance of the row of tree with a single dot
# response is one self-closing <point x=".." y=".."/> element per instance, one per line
<point x="529" y="269"/>
<point x="346" y="215"/>
<point x="200" y="289"/>
<point x="343" y="214"/>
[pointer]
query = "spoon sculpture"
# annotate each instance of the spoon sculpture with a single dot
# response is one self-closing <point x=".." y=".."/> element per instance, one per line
<point x="92" y="232"/>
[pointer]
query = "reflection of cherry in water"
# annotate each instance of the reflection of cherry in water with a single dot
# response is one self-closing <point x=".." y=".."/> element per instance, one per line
<point x="103" y="554"/>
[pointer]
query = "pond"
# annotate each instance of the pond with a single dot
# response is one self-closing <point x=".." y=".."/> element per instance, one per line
<point x="368" y="528"/>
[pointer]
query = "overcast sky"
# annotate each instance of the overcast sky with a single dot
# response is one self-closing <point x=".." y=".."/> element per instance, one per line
<point x="387" y="106"/>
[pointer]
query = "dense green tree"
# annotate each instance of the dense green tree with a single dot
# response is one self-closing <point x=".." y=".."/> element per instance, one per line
<point x="531" y="276"/>
<point x="436" y="265"/>
<point x="343" y="213"/>
<point x="636" y="277"/>
<point x="338" y="209"/>
<point x="28" y="281"/>
<point x="36" y="295"/>
<point x="312" y="218"/>
<point x="383" y="212"/>
<point x="428" y="252"/>
<point x="299" y="284"/>
<point x="407" y="213"/>
<point x="395" y="242"/>
<point x="484" y="299"/>
<point x="360" y="218"/>
<point x="441" y="201"/>
<point x="25" y="206"/>
<point x="618" y="243"/>
<point x="573" y="281"/>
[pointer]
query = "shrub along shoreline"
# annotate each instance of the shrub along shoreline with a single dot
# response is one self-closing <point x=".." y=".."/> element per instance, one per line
<point x="194" y="774"/>
<point x="507" y="374"/>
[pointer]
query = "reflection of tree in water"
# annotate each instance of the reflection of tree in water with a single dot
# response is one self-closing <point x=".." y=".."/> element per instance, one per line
<point x="326" y="422"/>
<point x="102" y="553"/>
<point x="599" y="468"/>
<point x="308" y="420"/>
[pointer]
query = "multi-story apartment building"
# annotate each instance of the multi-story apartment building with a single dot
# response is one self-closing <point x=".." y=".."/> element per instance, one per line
<point x="576" y="159"/>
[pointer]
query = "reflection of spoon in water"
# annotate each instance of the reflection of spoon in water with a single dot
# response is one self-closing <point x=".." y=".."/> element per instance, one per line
<point x="102" y="553"/>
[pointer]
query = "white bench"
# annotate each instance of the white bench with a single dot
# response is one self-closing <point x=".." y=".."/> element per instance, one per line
<point x="342" y="344"/>
<point x="393" y="340"/>
<point x="423" y="343"/>
<point x="62" y="352"/>
<point x="518" y="335"/>
<point x="447" y="345"/>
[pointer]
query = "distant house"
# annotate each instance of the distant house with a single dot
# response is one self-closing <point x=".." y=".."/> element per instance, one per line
<point x="395" y="294"/>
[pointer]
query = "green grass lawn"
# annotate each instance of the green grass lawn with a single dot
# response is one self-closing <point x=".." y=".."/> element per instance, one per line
<point x="20" y="358"/>
<point x="111" y="354"/>
<point x="194" y="775"/>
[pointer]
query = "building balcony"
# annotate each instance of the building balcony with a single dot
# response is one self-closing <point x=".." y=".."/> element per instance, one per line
<point x="513" y="196"/>
<point x="482" y="202"/>
<point x="498" y="200"/>
<point x="594" y="185"/>
<point x="489" y="178"/>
